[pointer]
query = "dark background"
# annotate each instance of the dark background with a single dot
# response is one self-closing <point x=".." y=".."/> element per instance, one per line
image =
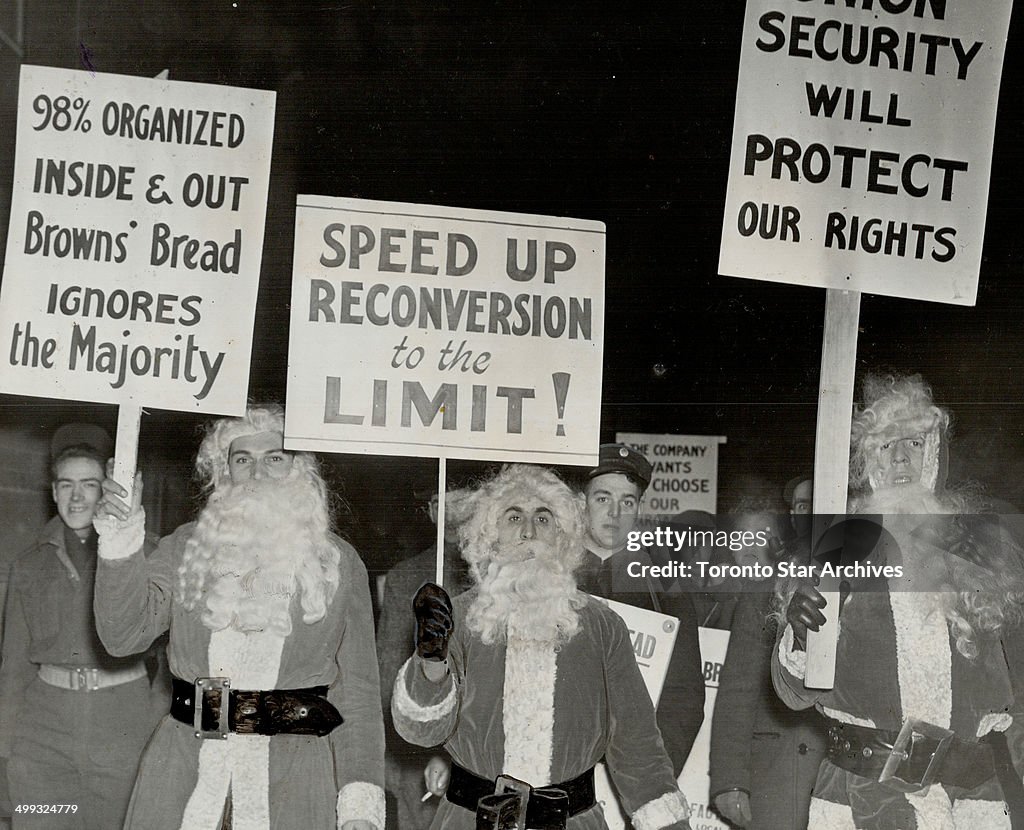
<point x="610" y="111"/>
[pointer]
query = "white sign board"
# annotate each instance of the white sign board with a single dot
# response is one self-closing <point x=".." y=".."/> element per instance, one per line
<point x="685" y="473"/>
<point x="654" y="637"/>
<point x="862" y="145"/>
<point x="695" y="779"/>
<point x="436" y="331"/>
<point x="135" y="241"/>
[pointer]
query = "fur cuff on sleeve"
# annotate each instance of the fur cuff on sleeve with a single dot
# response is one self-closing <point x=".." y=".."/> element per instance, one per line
<point x="409" y="708"/>
<point x="119" y="540"/>
<point x="994" y="722"/>
<point x="662" y="812"/>
<point x="795" y="662"/>
<point x="361" y="801"/>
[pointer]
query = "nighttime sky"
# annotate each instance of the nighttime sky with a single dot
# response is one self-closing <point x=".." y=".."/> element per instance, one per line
<point x="618" y="112"/>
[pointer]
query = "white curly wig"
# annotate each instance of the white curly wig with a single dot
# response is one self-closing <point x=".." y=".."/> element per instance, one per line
<point x="535" y="600"/>
<point x="896" y="407"/>
<point x="479" y="533"/>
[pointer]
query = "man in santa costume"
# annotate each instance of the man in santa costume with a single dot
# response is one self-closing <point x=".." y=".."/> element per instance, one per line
<point x="528" y="682"/>
<point x="921" y="675"/>
<point x="275" y="720"/>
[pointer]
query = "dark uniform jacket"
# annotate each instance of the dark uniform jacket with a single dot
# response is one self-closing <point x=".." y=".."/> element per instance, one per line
<point x="758" y="744"/>
<point x="681" y="708"/>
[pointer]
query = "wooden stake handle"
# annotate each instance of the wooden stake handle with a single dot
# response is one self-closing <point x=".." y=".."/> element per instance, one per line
<point x="441" y="489"/>
<point x="126" y="446"/>
<point x="832" y="460"/>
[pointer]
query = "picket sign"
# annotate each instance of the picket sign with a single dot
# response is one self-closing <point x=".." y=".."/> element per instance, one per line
<point x="860" y="175"/>
<point x="135" y="244"/>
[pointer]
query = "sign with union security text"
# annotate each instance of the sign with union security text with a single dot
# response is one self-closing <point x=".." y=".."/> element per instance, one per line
<point x="433" y="331"/>
<point x="862" y="145"/>
<point x="135" y="240"/>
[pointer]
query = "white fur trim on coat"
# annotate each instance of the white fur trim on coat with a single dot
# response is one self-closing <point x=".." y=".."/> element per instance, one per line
<point x="827" y="815"/>
<point x="528" y="710"/>
<point x="974" y="814"/>
<point x="994" y="722"/>
<point x="242" y="762"/>
<point x="795" y="662"/>
<point x="923" y="659"/>
<point x="363" y="801"/>
<point x="932" y="809"/>
<point x="119" y="540"/>
<point x="414" y="711"/>
<point x="925" y="671"/>
<point x="663" y="811"/>
<point x="846" y="717"/>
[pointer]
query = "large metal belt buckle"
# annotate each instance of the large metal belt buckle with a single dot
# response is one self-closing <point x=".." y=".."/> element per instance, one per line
<point x="507" y="784"/>
<point x="203" y="687"/>
<point x="84" y="679"/>
<point x="903" y="749"/>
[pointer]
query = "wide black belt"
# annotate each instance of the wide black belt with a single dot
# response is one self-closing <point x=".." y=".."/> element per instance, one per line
<point x="918" y="755"/>
<point x="547" y="807"/>
<point x="215" y="709"/>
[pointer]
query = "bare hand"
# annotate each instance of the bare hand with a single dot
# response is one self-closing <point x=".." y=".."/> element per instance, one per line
<point x="437" y="774"/>
<point x="734" y="806"/>
<point x="113" y="503"/>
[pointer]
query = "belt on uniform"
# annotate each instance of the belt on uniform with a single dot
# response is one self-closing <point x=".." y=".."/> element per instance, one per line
<point x="546" y="807"/>
<point x="214" y="709"/>
<point x="919" y="755"/>
<point x="88" y="678"/>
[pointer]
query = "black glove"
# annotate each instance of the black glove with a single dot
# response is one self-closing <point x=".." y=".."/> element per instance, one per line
<point x="434" y="622"/>
<point x="804" y="612"/>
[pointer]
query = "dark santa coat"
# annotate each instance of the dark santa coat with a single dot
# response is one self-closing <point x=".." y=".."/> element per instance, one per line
<point x="896" y="659"/>
<point x="545" y="717"/>
<point x="276" y="783"/>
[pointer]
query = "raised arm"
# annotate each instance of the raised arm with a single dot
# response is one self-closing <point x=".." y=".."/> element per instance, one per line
<point x="425" y="704"/>
<point x="133" y="595"/>
<point x="789" y="660"/>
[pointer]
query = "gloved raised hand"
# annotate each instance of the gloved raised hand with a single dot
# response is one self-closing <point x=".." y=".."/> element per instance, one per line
<point x="434" y="621"/>
<point x="804" y="612"/>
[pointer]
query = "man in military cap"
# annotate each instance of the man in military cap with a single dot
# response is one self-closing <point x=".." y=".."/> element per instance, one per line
<point x="73" y="719"/>
<point x="614" y="490"/>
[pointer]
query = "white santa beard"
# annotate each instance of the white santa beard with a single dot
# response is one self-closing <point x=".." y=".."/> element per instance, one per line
<point x="250" y="542"/>
<point x="907" y="499"/>
<point x="906" y="510"/>
<point x="530" y="599"/>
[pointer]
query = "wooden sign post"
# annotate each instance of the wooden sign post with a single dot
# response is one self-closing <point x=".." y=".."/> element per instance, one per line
<point x="832" y="460"/>
<point x="441" y="488"/>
